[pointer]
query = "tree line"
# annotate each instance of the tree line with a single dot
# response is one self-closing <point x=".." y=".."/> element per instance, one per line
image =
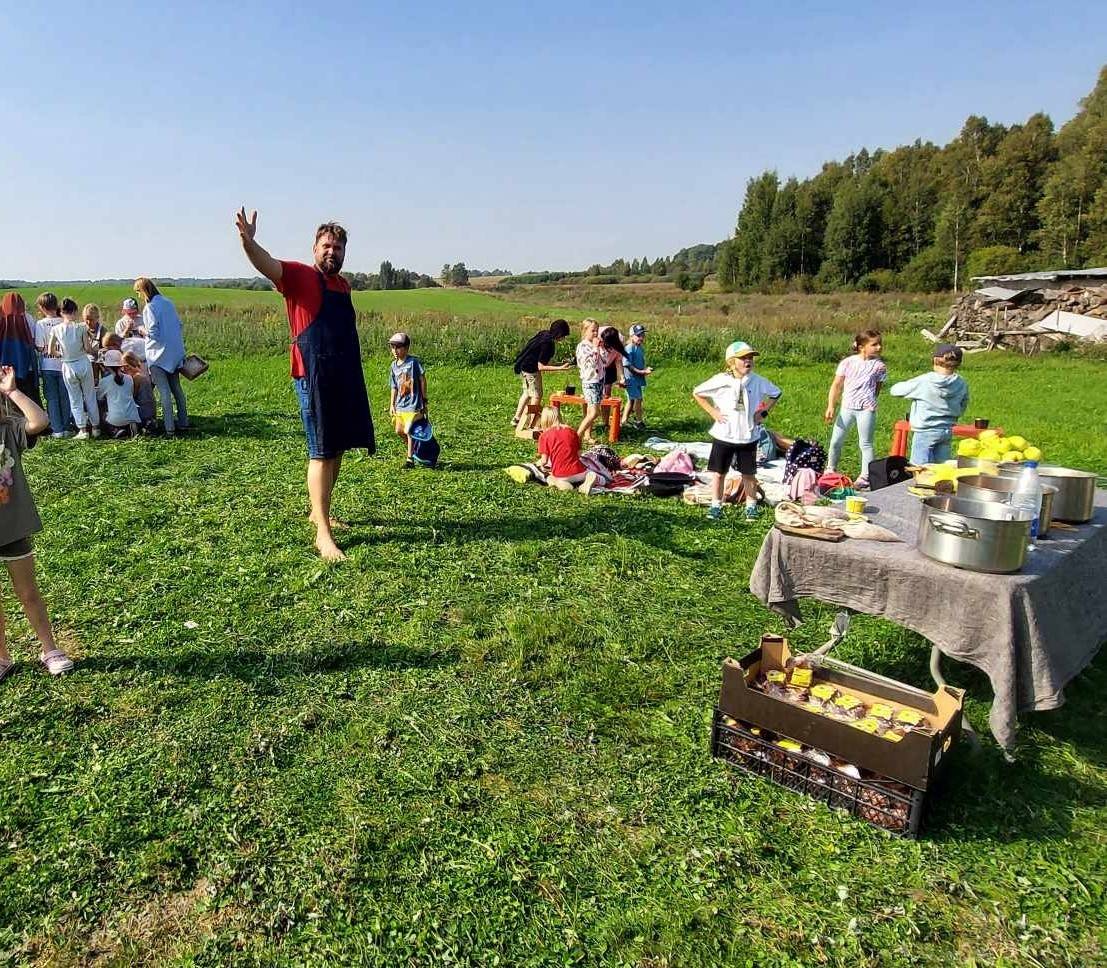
<point x="994" y="200"/>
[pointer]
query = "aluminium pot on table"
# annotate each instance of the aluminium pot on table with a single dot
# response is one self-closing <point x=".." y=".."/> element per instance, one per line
<point x="1075" y="500"/>
<point x="982" y="536"/>
<point x="999" y="488"/>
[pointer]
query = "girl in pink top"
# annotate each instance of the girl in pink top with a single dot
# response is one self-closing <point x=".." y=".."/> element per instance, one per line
<point x="857" y="380"/>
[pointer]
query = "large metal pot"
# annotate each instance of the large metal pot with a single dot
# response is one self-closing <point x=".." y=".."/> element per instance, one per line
<point x="975" y="535"/>
<point x="1075" y="499"/>
<point x="1000" y="487"/>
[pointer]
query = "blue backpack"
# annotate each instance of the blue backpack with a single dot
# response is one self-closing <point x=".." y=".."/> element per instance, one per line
<point x="425" y="449"/>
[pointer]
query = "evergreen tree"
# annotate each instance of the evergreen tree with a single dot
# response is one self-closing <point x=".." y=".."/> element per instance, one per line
<point x="754" y="221"/>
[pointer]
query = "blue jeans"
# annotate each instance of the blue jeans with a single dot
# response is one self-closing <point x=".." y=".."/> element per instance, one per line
<point x="931" y="446"/>
<point x="169" y="389"/>
<point x="57" y="400"/>
<point x="307" y="418"/>
<point x="866" y="423"/>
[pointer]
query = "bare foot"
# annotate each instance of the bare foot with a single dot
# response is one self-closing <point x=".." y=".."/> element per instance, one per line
<point x="328" y="550"/>
<point x="324" y="543"/>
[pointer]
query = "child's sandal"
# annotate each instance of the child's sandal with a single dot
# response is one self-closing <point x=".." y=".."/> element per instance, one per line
<point x="56" y="662"/>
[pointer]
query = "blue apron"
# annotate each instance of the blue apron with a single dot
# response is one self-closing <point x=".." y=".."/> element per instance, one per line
<point x="331" y="354"/>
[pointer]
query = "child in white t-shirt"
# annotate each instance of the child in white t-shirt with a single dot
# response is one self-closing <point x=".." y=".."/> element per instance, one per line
<point x="738" y="401"/>
<point x="117" y="389"/>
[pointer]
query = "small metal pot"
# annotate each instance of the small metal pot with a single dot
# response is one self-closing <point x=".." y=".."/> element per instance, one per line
<point x="983" y="536"/>
<point x="988" y="487"/>
<point x="1075" y="499"/>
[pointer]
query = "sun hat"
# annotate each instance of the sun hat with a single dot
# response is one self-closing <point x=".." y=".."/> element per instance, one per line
<point x="399" y="339"/>
<point x="130" y="305"/>
<point x="111" y="358"/>
<point x="738" y="348"/>
<point x="638" y="330"/>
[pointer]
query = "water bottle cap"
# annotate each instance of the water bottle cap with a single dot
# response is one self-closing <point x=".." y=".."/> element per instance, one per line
<point x="1029" y="463"/>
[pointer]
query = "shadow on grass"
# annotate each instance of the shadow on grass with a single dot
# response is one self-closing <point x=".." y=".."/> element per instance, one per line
<point x="624" y="518"/>
<point x="255" y="665"/>
<point x="255" y="425"/>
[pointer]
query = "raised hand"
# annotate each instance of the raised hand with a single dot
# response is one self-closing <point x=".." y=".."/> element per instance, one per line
<point x="7" y="379"/>
<point x="247" y="227"/>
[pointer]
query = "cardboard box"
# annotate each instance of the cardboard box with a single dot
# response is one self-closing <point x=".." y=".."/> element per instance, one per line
<point x="914" y="761"/>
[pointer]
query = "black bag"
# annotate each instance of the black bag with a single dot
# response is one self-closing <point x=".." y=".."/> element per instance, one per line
<point x="887" y="471"/>
<point x="425" y="448"/>
<point x="669" y="483"/>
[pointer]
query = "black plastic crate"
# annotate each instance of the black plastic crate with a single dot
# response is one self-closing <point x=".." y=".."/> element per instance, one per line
<point x="884" y="803"/>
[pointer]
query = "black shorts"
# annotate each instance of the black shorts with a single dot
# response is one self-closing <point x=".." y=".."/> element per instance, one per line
<point x="742" y="456"/>
<point x="15" y="550"/>
<point x="610" y="375"/>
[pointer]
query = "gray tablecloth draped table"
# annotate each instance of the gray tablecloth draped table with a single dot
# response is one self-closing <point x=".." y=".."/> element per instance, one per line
<point x="1031" y="632"/>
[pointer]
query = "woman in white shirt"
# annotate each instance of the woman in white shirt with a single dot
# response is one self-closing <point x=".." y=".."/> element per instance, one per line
<point x="70" y="340"/>
<point x="738" y="401"/>
<point x="165" y="352"/>
<point x="117" y="389"/>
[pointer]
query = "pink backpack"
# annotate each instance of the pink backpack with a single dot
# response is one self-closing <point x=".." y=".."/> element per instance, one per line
<point x="677" y="462"/>
<point x="801" y="488"/>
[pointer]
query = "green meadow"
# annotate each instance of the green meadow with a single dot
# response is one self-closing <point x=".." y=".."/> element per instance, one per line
<point x="484" y="739"/>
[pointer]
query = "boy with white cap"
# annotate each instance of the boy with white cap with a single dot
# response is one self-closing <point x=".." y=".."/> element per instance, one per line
<point x="407" y="401"/>
<point x="130" y="322"/>
<point x="738" y="401"/>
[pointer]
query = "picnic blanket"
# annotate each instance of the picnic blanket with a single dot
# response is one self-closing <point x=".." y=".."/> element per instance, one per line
<point x="1031" y="632"/>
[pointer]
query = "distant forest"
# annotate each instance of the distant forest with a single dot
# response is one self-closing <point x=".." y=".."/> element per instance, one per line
<point x="687" y="268"/>
<point x="924" y="218"/>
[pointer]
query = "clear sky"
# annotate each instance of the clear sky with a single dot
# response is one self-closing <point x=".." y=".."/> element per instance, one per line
<point x="512" y="135"/>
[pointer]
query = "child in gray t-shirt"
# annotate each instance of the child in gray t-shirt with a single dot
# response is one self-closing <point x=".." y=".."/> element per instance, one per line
<point x="21" y="419"/>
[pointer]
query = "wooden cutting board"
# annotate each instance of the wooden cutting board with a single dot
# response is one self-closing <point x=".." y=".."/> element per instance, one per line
<point x="819" y="534"/>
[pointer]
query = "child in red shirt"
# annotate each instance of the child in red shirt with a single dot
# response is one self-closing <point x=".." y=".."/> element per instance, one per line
<point x="559" y="451"/>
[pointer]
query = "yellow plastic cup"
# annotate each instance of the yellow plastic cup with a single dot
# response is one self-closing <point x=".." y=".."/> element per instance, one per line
<point x="855" y="505"/>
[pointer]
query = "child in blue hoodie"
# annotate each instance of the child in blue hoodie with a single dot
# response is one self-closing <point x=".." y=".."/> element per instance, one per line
<point x="937" y="399"/>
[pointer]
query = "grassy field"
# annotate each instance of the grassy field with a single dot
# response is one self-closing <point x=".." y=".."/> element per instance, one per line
<point x="484" y="739"/>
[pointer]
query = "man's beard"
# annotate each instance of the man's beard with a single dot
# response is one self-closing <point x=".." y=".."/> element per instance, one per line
<point x="330" y="265"/>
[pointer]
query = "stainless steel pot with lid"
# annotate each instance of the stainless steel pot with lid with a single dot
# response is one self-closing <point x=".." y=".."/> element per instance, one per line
<point x="988" y="487"/>
<point x="1075" y="498"/>
<point x="987" y="536"/>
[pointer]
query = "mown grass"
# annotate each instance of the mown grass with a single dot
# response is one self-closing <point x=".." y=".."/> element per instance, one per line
<point x="484" y="739"/>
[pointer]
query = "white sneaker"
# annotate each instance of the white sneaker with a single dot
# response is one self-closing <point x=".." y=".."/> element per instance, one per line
<point x="95" y="431"/>
<point x="81" y="435"/>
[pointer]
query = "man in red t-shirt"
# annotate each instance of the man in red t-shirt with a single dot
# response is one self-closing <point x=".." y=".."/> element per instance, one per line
<point x="326" y="362"/>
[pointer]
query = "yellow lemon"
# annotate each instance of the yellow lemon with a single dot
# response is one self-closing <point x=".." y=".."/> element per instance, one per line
<point x="1014" y="456"/>
<point x="1032" y="453"/>
<point x="968" y="448"/>
<point x="986" y="435"/>
<point x="1004" y="444"/>
<point x="1017" y="442"/>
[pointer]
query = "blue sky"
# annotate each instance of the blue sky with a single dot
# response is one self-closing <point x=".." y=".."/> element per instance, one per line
<point x="498" y="134"/>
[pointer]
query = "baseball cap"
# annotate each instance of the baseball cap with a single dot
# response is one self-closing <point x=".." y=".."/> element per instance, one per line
<point x="638" y="330"/>
<point x="399" y="339"/>
<point x="948" y="349"/>
<point x="130" y="305"/>
<point x="738" y="348"/>
<point x="111" y="358"/>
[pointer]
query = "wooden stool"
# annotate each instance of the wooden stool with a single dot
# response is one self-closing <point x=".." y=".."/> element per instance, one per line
<point x="611" y="404"/>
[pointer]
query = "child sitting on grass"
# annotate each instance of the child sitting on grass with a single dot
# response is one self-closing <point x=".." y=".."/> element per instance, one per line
<point x="636" y="373"/>
<point x="559" y="451"/>
<point x="937" y="399"/>
<point x="858" y="380"/>
<point x="738" y="401"/>
<point x="143" y="392"/>
<point x="21" y="419"/>
<point x="117" y="389"/>
<point x="408" y="398"/>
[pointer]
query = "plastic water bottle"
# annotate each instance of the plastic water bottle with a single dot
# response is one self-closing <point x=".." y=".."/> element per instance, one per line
<point x="1027" y="496"/>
